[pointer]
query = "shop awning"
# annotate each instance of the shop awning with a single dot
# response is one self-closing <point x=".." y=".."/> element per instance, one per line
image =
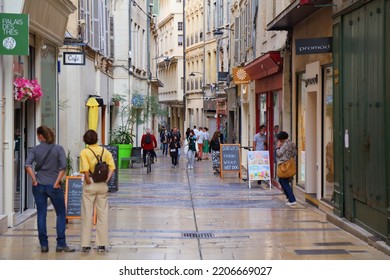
<point x="265" y="65"/>
<point x="295" y="13"/>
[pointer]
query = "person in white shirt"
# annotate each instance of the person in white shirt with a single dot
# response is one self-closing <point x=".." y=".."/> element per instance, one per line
<point x="199" y="140"/>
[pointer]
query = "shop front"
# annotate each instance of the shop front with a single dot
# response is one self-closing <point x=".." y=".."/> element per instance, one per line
<point x="310" y="47"/>
<point x="24" y="115"/>
<point x="267" y="73"/>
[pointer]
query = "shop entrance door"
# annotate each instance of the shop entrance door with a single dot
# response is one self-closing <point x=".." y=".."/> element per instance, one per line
<point x="268" y="112"/>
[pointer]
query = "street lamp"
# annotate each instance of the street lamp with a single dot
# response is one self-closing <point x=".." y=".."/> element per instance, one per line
<point x="192" y="74"/>
<point x="167" y="60"/>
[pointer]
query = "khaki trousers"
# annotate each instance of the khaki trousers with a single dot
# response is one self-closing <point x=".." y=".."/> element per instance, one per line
<point x="94" y="194"/>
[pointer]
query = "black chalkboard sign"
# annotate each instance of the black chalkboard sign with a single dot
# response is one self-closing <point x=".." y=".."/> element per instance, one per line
<point x="73" y="195"/>
<point x="113" y="183"/>
<point x="230" y="158"/>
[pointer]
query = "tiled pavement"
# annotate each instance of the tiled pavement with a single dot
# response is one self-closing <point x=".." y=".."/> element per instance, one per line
<point x="179" y="214"/>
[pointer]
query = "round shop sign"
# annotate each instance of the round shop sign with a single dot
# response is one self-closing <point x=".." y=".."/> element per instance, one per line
<point x="9" y="43"/>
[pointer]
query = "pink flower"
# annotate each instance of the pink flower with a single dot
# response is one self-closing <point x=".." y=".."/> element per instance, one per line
<point x="26" y="89"/>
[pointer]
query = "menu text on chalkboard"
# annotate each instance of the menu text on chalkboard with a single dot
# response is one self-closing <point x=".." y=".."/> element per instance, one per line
<point x="73" y="196"/>
<point x="113" y="183"/>
<point x="230" y="158"/>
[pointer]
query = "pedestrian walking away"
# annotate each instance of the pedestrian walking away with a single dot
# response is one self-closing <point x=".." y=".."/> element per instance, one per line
<point x="286" y="150"/>
<point x="50" y="167"/>
<point x="94" y="193"/>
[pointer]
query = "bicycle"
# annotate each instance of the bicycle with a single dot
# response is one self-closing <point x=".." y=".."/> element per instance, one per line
<point x="148" y="162"/>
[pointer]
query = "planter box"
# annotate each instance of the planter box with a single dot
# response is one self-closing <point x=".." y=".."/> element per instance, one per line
<point x="124" y="151"/>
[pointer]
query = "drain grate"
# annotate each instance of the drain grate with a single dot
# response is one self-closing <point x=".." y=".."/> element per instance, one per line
<point x="197" y="235"/>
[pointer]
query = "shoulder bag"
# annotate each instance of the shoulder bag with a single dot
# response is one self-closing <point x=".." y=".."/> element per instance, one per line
<point x="38" y="166"/>
<point x="287" y="169"/>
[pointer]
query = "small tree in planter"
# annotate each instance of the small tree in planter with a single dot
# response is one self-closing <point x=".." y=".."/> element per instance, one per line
<point x="117" y="98"/>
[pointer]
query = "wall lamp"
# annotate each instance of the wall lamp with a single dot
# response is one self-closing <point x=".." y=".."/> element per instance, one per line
<point x="192" y="74"/>
<point x="219" y="31"/>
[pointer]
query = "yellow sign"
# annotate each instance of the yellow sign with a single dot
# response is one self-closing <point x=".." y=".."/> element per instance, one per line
<point x="240" y="76"/>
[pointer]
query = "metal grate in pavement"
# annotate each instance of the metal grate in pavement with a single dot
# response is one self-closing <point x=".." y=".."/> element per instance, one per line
<point x="197" y="235"/>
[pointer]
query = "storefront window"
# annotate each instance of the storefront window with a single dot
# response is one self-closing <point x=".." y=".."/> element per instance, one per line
<point x="301" y="133"/>
<point x="328" y="161"/>
<point x="20" y="69"/>
<point x="48" y="84"/>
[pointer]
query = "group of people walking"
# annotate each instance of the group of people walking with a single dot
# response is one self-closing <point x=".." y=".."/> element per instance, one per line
<point x="197" y="145"/>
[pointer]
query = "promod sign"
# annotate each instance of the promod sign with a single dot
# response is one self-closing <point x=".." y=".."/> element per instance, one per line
<point x="14" y="34"/>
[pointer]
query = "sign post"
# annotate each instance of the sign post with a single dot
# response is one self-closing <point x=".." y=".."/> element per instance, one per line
<point x="259" y="167"/>
<point x="230" y="159"/>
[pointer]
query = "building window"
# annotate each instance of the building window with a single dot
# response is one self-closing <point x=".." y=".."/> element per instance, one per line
<point x="180" y="40"/>
<point x="180" y="26"/>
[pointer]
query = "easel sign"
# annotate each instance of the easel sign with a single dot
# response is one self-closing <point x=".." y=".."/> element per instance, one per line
<point x="73" y="197"/>
<point x="230" y="156"/>
<point x="259" y="166"/>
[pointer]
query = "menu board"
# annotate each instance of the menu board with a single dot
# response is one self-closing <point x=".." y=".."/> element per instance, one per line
<point x="73" y="195"/>
<point x="113" y="183"/>
<point x="230" y="156"/>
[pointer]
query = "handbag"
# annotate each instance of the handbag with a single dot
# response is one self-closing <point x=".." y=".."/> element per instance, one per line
<point x="287" y="169"/>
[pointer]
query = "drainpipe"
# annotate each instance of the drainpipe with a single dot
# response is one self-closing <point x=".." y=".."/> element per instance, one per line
<point x="2" y="181"/>
<point x="148" y="7"/>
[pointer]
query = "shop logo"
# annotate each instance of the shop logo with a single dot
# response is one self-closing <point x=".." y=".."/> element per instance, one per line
<point x="313" y="45"/>
<point x="240" y="76"/>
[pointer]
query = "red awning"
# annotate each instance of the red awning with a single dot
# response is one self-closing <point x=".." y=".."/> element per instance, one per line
<point x="265" y="65"/>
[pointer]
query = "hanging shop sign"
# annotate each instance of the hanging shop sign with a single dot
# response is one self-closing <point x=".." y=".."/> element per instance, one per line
<point x="223" y="77"/>
<point x="14" y="34"/>
<point x="313" y="45"/>
<point x="240" y="76"/>
<point x="74" y="58"/>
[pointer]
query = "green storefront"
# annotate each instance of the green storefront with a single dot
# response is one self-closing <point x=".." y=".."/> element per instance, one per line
<point x="361" y="55"/>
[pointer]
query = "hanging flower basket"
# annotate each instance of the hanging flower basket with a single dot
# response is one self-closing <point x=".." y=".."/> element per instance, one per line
<point x="26" y="89"/>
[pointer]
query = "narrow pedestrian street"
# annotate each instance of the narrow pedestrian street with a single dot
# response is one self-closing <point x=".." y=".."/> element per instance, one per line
<point x="180" y="214"/>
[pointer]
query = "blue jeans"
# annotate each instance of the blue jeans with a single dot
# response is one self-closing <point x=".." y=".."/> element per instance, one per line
<point x="285" y="183"/>
<point x="41" y="193"/>
<point x="165" y="148"/>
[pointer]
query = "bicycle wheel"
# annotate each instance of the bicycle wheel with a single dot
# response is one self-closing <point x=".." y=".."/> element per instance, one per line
<point x="148" y="164"/>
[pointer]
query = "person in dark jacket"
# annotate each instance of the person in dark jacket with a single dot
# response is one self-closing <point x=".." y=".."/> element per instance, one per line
<point x="215" y="152"/>
<point x="173" y="150"/>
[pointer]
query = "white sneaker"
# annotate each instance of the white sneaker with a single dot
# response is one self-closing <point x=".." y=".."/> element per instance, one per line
<point x="291" y="203"/>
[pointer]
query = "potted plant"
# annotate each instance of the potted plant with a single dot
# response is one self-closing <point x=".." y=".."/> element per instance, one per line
<point x="122" y="136"/>
<point x="117" y="98"/>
